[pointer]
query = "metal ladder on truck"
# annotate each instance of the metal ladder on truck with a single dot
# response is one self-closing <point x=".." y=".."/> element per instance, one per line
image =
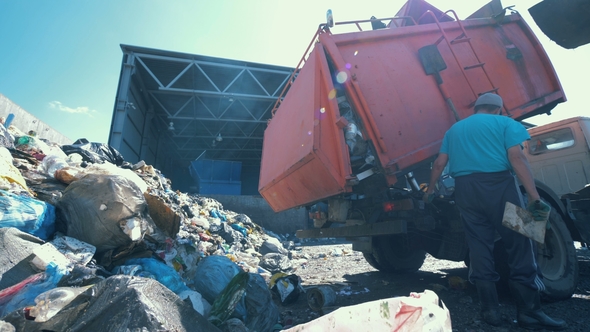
<point x="439" y="63"/>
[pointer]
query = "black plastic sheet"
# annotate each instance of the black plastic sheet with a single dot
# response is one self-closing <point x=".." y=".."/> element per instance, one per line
<point x="94" y="152"/>
<point x="121" y="303"/>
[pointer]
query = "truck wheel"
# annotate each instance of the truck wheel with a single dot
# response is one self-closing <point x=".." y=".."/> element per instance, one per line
<point x="557" y="259"/>
<point x="391" y="257"/>
<point x="373" y="262"/>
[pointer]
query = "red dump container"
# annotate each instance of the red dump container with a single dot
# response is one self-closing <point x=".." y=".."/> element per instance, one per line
<point x="390" y="78"/>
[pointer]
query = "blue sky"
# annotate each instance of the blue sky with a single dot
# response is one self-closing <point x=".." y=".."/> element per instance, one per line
<point x="60" y="60"/>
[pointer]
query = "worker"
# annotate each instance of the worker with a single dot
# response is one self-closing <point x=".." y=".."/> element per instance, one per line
<point x="484" y="151"/>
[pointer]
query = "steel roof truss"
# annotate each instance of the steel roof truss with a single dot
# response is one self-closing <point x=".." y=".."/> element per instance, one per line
<point x="150" y="72"/>
<point x="159" y="103"/>
<point x="258" y="82"/>
<point x="179" y="75"/>
<point x="206" y="76"/>
<point x="183" y="106"/>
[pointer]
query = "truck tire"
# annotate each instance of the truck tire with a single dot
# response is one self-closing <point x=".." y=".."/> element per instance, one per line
<point x="557" y="259"/>
<point x="389" y="257"/>
<point x="373" y="262"/>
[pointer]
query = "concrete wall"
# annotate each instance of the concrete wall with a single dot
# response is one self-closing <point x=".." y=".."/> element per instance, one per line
<point x="25" y="121"/>
<point x="260" y="213"/>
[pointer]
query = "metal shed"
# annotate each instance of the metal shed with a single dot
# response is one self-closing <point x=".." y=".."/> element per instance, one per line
<point x="174" y="108"/>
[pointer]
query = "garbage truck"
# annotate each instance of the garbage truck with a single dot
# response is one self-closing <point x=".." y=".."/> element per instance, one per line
<point x="354" y="134"/>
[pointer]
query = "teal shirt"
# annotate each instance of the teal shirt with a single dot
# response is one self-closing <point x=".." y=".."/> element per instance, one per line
<point x="479" y="144"/>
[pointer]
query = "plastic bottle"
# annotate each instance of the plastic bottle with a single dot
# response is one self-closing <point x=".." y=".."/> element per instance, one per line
<point x="51" y="302"/>
<point x="52" y="163"/>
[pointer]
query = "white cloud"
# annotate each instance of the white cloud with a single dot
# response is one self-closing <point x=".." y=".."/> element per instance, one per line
<point x="78" y="110"/>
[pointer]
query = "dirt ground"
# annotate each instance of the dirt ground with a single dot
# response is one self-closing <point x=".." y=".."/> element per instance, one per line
<point x="355" y="281"/>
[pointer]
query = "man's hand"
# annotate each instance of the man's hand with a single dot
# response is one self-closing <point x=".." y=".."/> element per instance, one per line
<point x="539" y="209"/>
<point x="428" y="197"/>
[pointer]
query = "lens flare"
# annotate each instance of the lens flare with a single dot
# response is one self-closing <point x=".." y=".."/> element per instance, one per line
<point x="332" y="94"/>
<point x="341" y="77"/>
<point x="356" y="52"/>
<point x="348" y="66"/>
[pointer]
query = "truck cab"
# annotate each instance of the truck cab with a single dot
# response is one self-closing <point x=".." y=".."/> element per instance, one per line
<point x="559" y="154"/>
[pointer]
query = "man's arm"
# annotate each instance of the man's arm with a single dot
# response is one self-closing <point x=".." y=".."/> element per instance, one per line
<point x="521" y="167"/>
<point x="437" y="169"/>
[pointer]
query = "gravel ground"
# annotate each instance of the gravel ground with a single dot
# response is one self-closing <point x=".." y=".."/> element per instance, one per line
<point x="355" y="281"/>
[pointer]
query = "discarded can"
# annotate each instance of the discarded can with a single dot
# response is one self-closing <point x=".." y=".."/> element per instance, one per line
<point x="320" y="297"/>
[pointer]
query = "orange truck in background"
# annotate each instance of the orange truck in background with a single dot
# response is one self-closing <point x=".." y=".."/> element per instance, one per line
<point x="363" y="117"/>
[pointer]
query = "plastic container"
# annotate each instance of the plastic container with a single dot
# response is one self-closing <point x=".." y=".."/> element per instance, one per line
<point x="320" y="297"/>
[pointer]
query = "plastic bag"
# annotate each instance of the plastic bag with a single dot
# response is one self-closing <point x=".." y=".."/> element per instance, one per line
<point x="287" y="287"/>
<point x="228" y="299"/>
<point x="9" y="173"/>
<point x="262" y="312"/>
<point x="199" y="303"/>
<point x="110" y="169"/>
<point x="8" y="293"/>
<point x="98" y="208"/>
<point x="121" y="303"/>
<point x="94" y="152"/>
<point x="276" y="263"/>
<point x="27" y="214"/>
<point x="31" y="145"/>
<point x="273" y="245"/>
<point x="417" y="312"/>
<point x="166" y="275"/>
<point x="64" y="251"/>
<point x="16" y="248"/>
<point x="53" y="163"/>
<point x="26" y="296"/>
<point x="6" y="139"/>
<point x="212" y="274"/>
<point x="229" y="234"/>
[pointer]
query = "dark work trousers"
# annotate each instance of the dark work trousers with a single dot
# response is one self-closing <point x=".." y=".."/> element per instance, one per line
<point x="481" y="198"/>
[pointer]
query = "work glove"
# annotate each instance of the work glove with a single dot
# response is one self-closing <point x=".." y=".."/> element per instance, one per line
<point x="539" y="209"/>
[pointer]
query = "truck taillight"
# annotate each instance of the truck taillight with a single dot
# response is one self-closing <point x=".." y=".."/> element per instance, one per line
<point x="404" y="204"/>
<point x="388" y="206"/>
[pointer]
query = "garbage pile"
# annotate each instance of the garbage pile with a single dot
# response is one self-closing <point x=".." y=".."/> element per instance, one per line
<point x="91" y="242"/>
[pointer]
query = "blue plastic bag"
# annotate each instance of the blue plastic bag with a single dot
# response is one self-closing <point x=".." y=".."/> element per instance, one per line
<point x="163" y="273"/>
<point x="27" y="214"/>
<point x="240" y="229"/>
<point x="26" y="296"/>
<point x="216" y="214"/>
<point x="212" y="275"/>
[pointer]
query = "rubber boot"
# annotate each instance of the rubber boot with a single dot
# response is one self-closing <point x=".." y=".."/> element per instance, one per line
<point x="488" y="297"/>
<point x="529" y="313"/>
